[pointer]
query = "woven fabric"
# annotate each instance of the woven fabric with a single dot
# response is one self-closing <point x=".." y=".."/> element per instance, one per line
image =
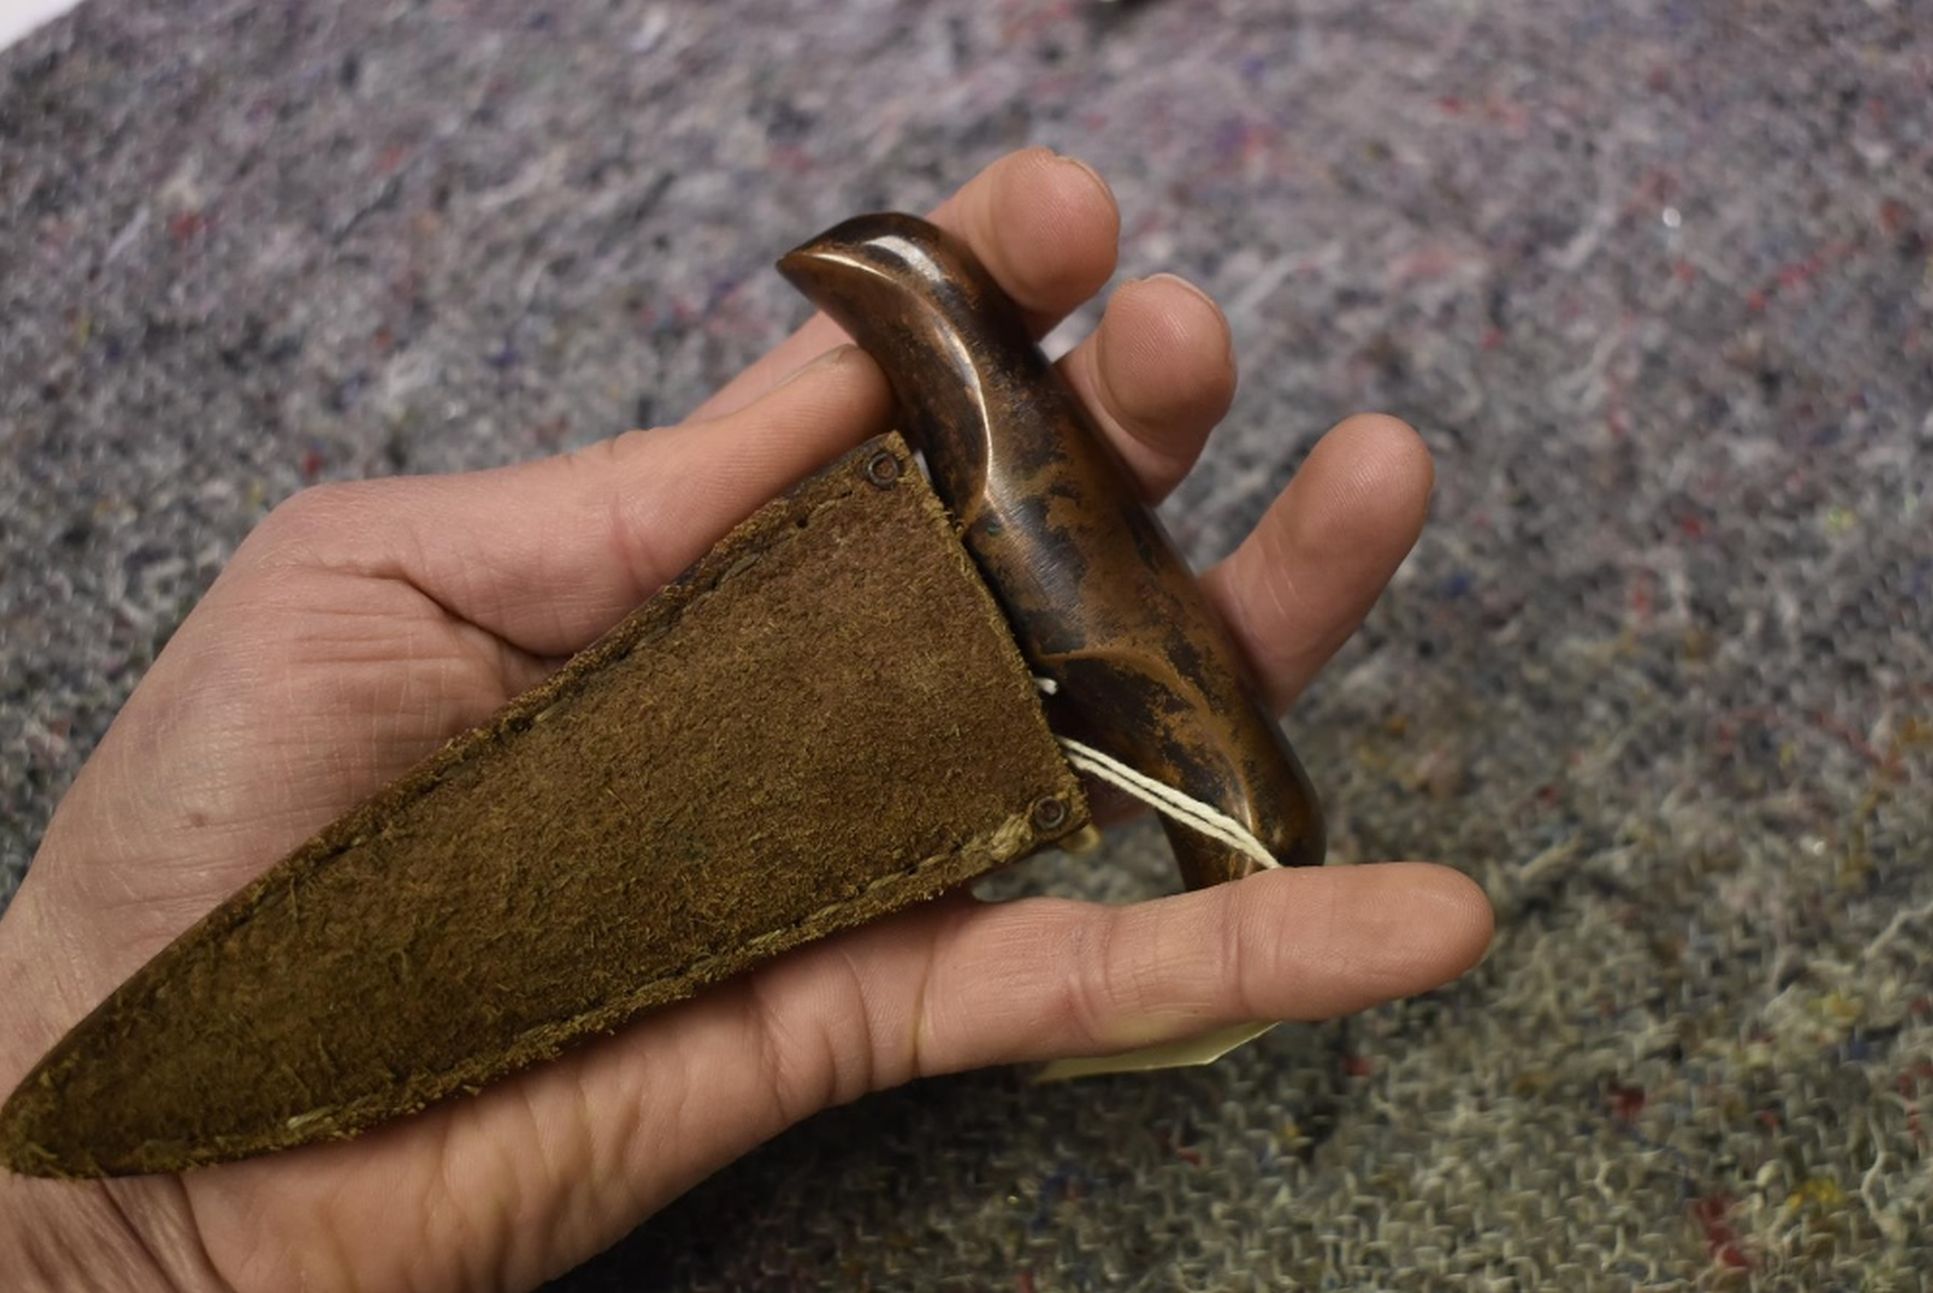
<point x="1653" y="281"/>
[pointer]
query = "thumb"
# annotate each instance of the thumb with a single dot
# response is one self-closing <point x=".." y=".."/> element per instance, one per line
<point x="969" y="985"/>
<point x="548" y="554"/>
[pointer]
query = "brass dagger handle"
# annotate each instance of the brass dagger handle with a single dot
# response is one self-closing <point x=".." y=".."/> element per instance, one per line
<point x="1097" y="596"/>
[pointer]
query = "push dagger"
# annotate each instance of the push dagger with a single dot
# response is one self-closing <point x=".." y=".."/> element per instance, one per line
<point x="831" y="717"/>
<point x="1094" y="590"/>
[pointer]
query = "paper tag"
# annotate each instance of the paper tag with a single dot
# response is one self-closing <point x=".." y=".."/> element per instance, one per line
<point x="1190" y="1052"/>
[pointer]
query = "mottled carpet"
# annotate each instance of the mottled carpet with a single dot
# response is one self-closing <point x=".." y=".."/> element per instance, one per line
<point x="1652" y="278"/>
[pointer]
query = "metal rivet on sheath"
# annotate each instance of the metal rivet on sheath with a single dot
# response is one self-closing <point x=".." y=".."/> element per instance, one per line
<point x="882" y="469"/>
<point x="1050" y="814"/>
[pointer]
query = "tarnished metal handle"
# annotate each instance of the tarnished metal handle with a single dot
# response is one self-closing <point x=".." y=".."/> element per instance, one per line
<point x="1098" y="598"/>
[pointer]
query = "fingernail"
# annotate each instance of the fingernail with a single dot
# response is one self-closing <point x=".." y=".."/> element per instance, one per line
<point x="1179" y="281"/>
<point x="1091" y="174"/>
<point x="1228" y="336"/>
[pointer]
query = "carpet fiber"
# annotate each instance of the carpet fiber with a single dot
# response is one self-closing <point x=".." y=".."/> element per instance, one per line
<point x="1653" y="279"/>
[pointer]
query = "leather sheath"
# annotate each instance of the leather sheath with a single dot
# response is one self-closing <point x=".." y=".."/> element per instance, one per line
<point x="824" y="721"/>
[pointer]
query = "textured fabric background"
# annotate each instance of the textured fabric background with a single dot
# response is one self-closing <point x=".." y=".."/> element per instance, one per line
<point x="1653" y="278"/>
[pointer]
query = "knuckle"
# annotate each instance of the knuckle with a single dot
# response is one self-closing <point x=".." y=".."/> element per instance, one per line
<point x="1243" y="962"/>
<point x="1102" y="988"/>
<point x="320" y="504"/>
<point x="627" y="505"/>
<point x="612" y="451"/>
<point x="809" y="1061"/>
<point x="293" y="530"/>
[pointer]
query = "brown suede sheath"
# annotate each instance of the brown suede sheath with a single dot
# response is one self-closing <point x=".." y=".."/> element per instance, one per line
<point x="821" y="723"/>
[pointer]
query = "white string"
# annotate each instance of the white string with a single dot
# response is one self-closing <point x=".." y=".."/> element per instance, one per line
<point x="1163" y="798"/>
<point x="1167" y="801"/>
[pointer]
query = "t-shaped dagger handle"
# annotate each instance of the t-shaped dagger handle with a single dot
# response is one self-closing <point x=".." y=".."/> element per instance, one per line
<point x="1098" y="598"/>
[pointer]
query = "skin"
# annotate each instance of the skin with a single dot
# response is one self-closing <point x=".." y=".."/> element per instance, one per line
<point x="363" y="624"/>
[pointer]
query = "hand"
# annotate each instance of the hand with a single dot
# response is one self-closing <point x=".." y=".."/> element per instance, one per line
<point x="361" y="625"/>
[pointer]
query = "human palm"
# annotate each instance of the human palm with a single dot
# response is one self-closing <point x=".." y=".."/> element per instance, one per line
<point x="363" y="625"/>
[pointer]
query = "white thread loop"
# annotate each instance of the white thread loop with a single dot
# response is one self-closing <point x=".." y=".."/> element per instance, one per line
<point x="1158" y="795"/>
<point x="1197" y="816"/>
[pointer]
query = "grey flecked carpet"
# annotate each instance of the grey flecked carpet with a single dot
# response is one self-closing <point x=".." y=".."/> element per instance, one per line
<point x="1652" y="278"/>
